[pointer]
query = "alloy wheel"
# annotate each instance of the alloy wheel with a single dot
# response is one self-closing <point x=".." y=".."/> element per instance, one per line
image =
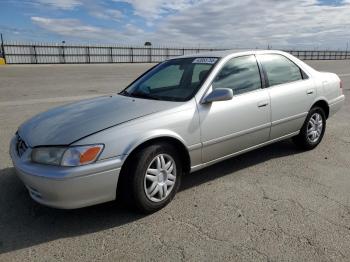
<point x="314" y="128"/>
<point x="160" y="178"/>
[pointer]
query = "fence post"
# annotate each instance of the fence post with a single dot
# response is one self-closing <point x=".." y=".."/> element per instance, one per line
<point x="111" y="54"/>
<point x="3" y="48"/>
<point x="87" y="53"/>
<point x="132" y="54"/>
<point x="150" y="55"/>
<point x="63" y="61"/>
<point x="35" y="55"/>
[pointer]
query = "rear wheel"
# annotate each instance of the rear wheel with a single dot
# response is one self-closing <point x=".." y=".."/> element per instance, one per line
<point x="154" y="176"/>
<point x="312" y="132"/>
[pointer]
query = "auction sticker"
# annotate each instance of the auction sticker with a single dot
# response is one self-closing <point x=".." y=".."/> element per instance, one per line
<point x="205" y="60"/>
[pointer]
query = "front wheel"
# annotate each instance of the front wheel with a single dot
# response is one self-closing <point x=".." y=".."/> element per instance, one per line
<point x="154" y="177"/>
<point x="312" y="132"/>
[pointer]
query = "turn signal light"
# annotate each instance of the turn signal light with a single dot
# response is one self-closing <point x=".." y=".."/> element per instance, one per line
<point x="89" y="155"/>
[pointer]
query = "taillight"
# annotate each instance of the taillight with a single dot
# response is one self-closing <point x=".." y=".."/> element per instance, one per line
<point x="341" y="86"/>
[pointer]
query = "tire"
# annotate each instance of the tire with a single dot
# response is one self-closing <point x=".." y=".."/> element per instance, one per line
<point x="313" y="129"/>
<point x="139" y="188"/>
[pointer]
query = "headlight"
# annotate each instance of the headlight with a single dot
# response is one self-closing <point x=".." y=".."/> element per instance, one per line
<point x="67" y="156"/>
<point x="48" y="155"/>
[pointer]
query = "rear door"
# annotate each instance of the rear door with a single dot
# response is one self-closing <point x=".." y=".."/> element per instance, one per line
<point x="291" y="92"/>
<point x="230" y="126"/>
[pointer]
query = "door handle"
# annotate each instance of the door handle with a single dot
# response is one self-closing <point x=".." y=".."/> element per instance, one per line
<point x="310" y="91"/>
<point x="263" y="104"/>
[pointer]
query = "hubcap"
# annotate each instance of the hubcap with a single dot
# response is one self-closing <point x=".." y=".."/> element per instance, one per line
<point x="160" y="178"/>
<point x="314" y="128"/>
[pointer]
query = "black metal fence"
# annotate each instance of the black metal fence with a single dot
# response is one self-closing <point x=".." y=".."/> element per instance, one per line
<point x="59" y="54"/>
<point x="40" y="53"/>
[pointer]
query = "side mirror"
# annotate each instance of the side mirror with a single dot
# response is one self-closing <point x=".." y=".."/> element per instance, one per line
<point x="219" y="94"/>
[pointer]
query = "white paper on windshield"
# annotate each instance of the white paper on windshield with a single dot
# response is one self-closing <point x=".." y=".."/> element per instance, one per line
<point x="205" y="60"/>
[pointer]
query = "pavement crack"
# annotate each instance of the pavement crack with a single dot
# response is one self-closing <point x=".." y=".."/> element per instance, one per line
<point x="180" y="248"/>
<point x="320" y="215"/>
<point x="199" y="231"/>
<point x="302" y="239"/>
<point x="346" y="207"/>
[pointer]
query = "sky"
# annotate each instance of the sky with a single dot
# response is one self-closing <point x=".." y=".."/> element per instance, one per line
<point x="297" y="24"/>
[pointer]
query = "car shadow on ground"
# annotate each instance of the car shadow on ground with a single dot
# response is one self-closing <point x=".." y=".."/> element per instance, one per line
<point x="23" y="223"/>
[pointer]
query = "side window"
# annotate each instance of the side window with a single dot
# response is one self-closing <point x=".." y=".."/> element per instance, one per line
<point x="241" y="74"/>
<point x="279" y="69"/>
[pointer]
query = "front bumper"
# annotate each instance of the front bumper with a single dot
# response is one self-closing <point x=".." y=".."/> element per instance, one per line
<point x="67" y="187"/>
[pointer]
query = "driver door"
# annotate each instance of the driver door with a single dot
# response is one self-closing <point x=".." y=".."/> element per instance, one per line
<point x="228" y="127"/>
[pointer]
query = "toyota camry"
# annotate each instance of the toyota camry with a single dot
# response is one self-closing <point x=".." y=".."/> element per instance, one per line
<point x="182" y="115"/>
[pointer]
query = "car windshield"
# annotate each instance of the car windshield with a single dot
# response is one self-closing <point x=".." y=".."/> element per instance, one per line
<point x="172" y="80"/>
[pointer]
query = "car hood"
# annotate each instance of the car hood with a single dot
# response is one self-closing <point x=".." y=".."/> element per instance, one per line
<point x="66" y="124"/>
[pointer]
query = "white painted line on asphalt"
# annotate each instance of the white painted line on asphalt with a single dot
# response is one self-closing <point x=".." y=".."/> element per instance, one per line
<point x="343" y="74"/>
<point x="46" y="100"/>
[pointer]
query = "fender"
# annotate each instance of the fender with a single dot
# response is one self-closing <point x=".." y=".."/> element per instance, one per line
<point x="158" y="133"/>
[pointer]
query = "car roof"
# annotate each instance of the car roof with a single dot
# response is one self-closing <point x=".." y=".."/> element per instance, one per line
<point x="225" y="53"/>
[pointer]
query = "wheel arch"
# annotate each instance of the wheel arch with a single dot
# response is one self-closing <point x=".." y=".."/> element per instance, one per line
<point x="323" y="104"/>
<point x="169" y="139"/>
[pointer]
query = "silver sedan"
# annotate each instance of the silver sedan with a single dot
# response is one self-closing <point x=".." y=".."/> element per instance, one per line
<point x="180" y="116"/>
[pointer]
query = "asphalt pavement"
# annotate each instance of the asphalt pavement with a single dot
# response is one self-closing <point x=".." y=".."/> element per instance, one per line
<point x="273" y="204"/>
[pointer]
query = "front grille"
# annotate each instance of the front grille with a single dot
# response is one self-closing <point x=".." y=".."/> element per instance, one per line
<point x="21" y="146"/>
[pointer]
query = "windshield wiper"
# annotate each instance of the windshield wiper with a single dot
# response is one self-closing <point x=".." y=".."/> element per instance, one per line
<point x="124" y="93"/>
<point x="138" y="95"/>
<point x="144" y="95"/>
